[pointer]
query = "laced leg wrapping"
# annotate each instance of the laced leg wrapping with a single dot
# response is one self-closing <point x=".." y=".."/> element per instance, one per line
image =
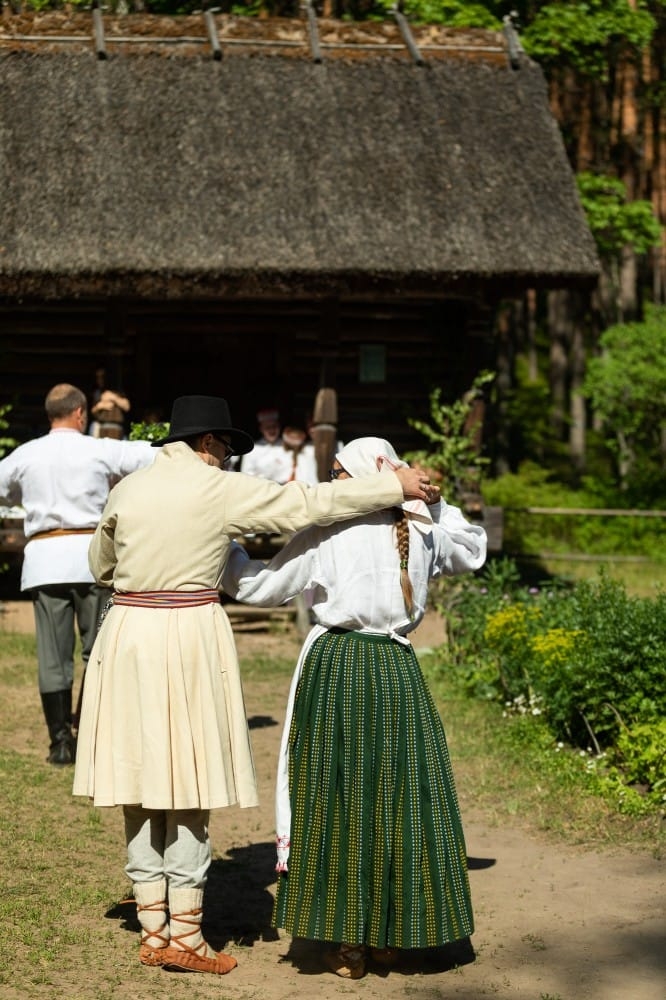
<point x="194" y="955"/>
<point x="151" y="909"/>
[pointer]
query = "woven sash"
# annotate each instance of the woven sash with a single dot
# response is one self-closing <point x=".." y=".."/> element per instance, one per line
<point x="56" y="532"/>
<point x="167" y="598"/>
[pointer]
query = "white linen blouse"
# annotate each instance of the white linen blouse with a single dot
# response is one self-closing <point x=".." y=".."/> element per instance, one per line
<point x="353" y="569"/>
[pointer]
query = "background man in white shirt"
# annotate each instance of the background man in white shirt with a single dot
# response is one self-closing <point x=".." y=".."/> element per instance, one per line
<point x="62" y="481"/>
<point x="269" y="458"/>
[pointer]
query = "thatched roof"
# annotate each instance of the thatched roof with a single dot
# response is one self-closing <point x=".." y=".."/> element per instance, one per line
<point x="161" y="171"/>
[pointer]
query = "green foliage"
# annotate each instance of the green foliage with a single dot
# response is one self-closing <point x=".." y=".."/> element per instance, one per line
<point x="616" y="223"/>
<point x="640" y="755"/>
<point x="587" y="660"/>
<point x="594" y="534"/>
<point x="453" y="453"/>
<point x="457" y="13"/>
<point x="148" y="431"/>
<point x="465" y="602"/>
<point x="525" y="771"/>
<point x="6" y="443"/>
<point x="589" y="35"/>
<point x="528" y="412"/>
<point x="626" y="385"/>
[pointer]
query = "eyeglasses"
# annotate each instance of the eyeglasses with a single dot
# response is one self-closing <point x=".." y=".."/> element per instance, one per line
<point x="229" y="453"/>
<point x="336" y="473"/>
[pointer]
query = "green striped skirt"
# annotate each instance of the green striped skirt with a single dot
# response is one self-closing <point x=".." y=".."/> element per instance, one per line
<point x="377" y="848"/>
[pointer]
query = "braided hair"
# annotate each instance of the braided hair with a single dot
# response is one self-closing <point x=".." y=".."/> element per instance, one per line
<point x="402" y="532"/>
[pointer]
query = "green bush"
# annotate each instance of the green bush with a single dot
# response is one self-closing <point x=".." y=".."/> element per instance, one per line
<point x="640" y="754"/>
<point x="148" y="431"/>
<point x="587" y="658"/>
<point x="6" y="443"/>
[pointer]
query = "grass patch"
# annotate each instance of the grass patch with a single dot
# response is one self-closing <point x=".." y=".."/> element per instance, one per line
<point x="260" y="668"/>
<point x="641" y="579"/>
<point x="18" y="660"/>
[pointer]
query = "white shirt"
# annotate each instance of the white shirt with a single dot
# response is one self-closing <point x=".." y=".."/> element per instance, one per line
<point x="273" y="461"/>
<point x="62" y="480"/>
<point x="355" y="572"/>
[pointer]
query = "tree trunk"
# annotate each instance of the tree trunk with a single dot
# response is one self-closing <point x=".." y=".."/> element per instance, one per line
<point x="577" y="411"/>
<point x="629" y="305"/>
<point x="530" y="308"/>
<point x="559" y="328"/>
<point x="503" y="386"/>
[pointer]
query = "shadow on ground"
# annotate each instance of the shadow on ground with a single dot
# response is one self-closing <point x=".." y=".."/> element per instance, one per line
<point x="306" y="957"/>
<point x="237" y="903"/>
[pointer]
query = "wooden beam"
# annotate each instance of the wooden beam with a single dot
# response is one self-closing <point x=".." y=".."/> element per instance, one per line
<point x="98" y="31"/>
<point x="213" y="37"/>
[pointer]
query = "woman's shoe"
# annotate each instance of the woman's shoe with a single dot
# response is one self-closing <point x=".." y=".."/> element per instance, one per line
<point x="347" y="961"/>
<point x="385" y="956"/>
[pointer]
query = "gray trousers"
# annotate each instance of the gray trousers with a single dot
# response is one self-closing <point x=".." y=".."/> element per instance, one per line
<point x="168" y="843"/>
<point x="58" y="607"/>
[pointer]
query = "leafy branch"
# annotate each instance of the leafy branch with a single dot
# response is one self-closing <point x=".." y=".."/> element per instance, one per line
<point x="453" y="434"/>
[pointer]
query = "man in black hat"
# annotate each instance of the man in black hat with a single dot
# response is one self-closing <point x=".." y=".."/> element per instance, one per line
<point x="166" y="657"/>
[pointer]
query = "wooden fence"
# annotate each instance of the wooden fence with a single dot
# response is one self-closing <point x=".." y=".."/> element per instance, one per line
<point x="583" y="512"/>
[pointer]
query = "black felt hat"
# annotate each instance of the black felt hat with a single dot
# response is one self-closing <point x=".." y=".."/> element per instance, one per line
<point x="192" y="415"/>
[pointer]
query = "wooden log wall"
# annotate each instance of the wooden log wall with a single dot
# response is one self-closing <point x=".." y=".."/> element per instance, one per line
<point x="255" y="354"/>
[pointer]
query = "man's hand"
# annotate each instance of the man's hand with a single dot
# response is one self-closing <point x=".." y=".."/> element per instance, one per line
<point x="416" y="485"/>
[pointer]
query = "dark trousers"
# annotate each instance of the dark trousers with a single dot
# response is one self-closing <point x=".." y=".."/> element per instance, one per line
<point x="58" y="608"/>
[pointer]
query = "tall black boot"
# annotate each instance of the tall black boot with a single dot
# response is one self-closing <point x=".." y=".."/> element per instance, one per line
<point x="57" y="707"/>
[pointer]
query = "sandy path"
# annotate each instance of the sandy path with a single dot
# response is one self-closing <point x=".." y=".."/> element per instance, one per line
<point x="553" y="922"/>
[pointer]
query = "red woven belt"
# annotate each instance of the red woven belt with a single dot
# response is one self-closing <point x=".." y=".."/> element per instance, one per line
<point x="167" y="598"/>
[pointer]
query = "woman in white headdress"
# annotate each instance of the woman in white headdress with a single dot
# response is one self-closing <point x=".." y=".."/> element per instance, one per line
<point x="371" y="852"/>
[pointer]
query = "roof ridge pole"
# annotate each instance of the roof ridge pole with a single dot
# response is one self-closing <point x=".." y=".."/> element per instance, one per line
<point x="313" y="31"/>
<point x="213" y="36"/>
<point x="407" y="36"/>
<point x="514" y="45"/>
<point x="98" y="30"/>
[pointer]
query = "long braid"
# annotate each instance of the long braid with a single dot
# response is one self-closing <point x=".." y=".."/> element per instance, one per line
<point x="402" y="532"/>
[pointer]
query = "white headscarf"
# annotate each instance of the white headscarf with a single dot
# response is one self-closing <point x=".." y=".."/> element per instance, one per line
<point x="367" y="455"/>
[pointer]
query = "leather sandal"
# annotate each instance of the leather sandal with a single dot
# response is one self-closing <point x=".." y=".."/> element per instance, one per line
<point x="184" y="958"/>
<point x="347" y="961"/>
<point x="148" y="953"/>
<point x="151" y="956"/>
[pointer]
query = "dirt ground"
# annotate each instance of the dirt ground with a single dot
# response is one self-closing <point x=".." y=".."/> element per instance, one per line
<point x="553" y="922"/>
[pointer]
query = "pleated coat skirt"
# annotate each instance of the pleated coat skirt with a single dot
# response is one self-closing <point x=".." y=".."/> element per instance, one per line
<point x="377" y="848"/>
<point x="163" y="722"/>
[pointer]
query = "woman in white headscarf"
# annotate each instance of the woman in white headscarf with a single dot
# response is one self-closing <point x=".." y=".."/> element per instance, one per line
<point x="371" y="852"/>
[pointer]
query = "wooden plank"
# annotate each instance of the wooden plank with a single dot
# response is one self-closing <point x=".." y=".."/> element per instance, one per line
<point x="588" y="511"/>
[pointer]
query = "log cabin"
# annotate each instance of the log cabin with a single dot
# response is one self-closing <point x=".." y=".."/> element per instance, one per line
<point x="257" y="208"/>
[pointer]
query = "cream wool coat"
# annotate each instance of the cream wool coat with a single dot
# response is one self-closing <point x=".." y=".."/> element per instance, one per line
<point x="163" y="718"/>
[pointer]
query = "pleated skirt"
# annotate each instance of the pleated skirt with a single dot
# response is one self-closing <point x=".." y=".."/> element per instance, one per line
<point x="377" y="848"/>
<point x="163" y="720"/>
